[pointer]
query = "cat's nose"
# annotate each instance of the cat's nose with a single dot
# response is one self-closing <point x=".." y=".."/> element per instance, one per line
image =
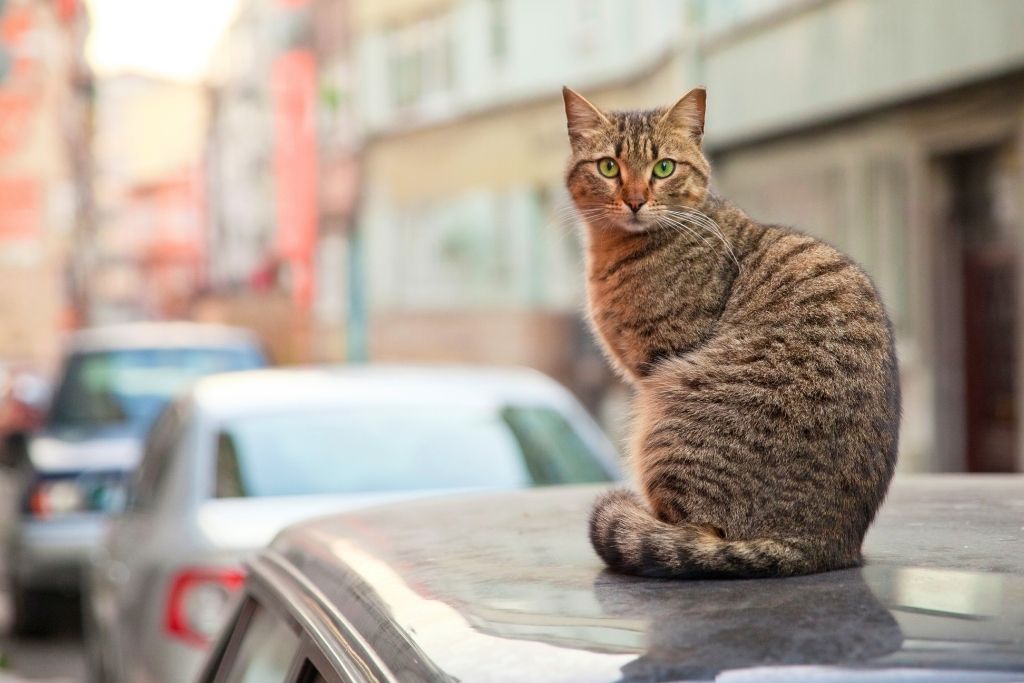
<point x="636" y="203"/>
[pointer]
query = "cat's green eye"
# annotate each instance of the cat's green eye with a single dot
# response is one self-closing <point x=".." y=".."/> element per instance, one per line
<point x="664" y="168"/>
<point x="608" y="167"/>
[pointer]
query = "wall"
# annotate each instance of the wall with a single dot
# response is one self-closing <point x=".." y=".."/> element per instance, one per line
<point x="867" y="186"/>
<point x="44" y="202"/>
<point x="808" y="61"/>
<point x="502" y="53"/>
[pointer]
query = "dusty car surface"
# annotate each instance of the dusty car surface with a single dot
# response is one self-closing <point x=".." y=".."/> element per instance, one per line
<point x="242" y="455"/>
<point x="506" y="588"/>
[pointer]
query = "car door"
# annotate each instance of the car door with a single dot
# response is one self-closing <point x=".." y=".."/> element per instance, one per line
<point x="121" y="576"/>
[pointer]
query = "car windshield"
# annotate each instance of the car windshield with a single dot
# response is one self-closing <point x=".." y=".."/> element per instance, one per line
<point x="132" y="386"/>
<point x="395" y="448"/>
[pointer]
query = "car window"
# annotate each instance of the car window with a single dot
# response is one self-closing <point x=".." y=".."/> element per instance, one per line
<point x="131" y="386"/>
<point x="554" y="452"/>
<point x="374" y="448"/>
<point x="310" y="674"/>
<point x="265" y="652"/>
<point x="157" y="455"/>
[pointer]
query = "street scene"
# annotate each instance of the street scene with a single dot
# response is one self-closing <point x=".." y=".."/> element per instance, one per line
<point x="306" y="373"/>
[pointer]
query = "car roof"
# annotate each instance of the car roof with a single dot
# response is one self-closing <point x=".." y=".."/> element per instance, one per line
<point x="145" y="335"/>
<point x="505" y="587"/>
<point x="253" y="391"/>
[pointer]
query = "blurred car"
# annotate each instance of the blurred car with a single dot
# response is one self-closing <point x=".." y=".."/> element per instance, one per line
<point x="243" y="455"/>
<point x="70" y="475"/>
<point x="505" y="588"/>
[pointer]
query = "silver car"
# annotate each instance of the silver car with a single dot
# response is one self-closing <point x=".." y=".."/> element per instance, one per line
<point x="507" y="589"/>
<point x="70" y="475"/>
<point x="243" y="455"/>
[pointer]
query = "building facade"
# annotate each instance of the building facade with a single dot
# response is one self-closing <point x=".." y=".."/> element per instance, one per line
<point x="891" y="129"/>
<point x="145" y="259"/>
<point x="895" y="131"/>
<point x="45" y="189"/>
<point x="441" y="230"/>
<point x="282" y="173"/>
<point x="471" y="252"/>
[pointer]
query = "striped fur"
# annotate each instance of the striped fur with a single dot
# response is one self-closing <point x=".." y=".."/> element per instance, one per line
<point x="632" y="541"/>
<point x="766" y="387"/>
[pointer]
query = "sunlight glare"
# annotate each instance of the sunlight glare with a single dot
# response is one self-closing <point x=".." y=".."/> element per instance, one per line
<point x="169" y="39"/>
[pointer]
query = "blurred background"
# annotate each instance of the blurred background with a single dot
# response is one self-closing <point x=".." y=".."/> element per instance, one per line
<point x="381" y="180"/>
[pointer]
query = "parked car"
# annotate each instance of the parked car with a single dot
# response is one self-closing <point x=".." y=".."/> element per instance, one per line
<point x="241" y="456"/>
<point x="70" y="475"/>
<point x="505" y="588"/>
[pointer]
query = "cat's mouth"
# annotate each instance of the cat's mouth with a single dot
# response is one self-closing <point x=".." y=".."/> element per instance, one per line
<point x="635" y="224"/>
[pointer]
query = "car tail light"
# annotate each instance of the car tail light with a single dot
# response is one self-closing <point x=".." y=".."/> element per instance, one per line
<point x="55" y="498"/>
<point x="197" y="602"/>
<point x="52" y="496"/>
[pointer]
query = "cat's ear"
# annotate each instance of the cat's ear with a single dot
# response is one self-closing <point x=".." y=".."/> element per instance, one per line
<point x="688" y="112"/>
<point x="582" y="117"/>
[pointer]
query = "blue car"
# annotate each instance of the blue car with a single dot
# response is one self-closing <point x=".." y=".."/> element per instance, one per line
<point x="70" y="476"/>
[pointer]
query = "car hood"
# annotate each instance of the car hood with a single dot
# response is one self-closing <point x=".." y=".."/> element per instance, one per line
<point x="507" y="588"/>
<point x="65" y="451"/>
<point x="246" y="524"/>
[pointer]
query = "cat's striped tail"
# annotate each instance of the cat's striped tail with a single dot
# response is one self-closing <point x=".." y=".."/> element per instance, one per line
<point x="632" y="541"/>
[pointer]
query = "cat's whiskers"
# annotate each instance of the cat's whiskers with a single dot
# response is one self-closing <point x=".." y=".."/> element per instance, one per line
<point x="706" y="220"/>
<point x="586" y="217"/>
<point x="691" y="227"/>
<point x="700" y="219"/>
<point x="568" y="219"/>
<point x="570" y="216"/>
<point x="703" y="219"/>
<point x="563" y="213"/>
<point x="679" y="227"/>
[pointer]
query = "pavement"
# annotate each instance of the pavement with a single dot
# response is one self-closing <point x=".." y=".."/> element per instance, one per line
<point x="57" y="659"/>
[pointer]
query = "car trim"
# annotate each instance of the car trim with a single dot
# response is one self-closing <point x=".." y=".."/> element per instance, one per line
<point x="312" y="659"/>
<point x="219" y="665"/>
<point x="332" y="633"/>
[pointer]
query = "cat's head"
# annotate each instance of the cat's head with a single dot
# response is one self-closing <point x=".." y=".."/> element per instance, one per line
<point x="630" y="170"/>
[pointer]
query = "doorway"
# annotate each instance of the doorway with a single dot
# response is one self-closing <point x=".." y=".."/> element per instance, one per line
<point x="978" y="309"/>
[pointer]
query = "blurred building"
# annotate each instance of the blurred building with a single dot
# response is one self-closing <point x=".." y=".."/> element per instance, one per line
<point x="340" y="171"/>
<point x="146" y="260"/>
<point x="894" y="130"/>
<point x="470" y="253"/>
<point x="45" y="205"/>
<point x="395" y="167"/>
<point x="282" y="173"/>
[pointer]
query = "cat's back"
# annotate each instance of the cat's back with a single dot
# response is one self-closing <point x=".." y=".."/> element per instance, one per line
<point x="789" y="280"/>
<point x="805" y="323"/>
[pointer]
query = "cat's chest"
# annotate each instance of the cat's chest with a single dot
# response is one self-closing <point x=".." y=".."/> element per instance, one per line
<point x="635" y="318"/>
<point x="644" y="309"/>
<point x="627" y="297"/>
<point x="629" y="288"/>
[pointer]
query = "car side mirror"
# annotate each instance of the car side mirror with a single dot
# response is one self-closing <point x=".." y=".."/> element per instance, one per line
<point x="14" y="450"/>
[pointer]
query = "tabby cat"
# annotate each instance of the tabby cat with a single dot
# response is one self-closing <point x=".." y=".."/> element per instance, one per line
<point x="767" y="400"/>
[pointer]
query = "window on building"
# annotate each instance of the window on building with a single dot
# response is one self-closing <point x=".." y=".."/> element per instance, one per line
<point x="420" y="60"/>
<point x="499" y="27"/>
<point x="886" y="225"/>
<point x="403" y="70"/>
